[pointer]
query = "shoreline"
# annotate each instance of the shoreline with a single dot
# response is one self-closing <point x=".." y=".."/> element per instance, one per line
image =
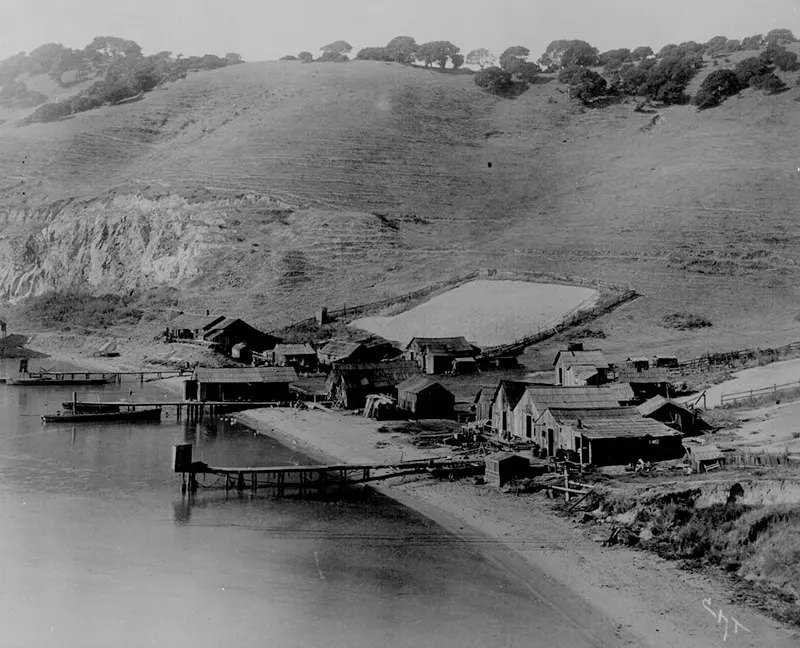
<point x="608" y="593"/>
<point x="621" y="596"/>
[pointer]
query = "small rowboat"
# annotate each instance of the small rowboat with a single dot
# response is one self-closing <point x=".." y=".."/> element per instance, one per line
<point x="89" y="408"/>
<point x="143" y="415"/>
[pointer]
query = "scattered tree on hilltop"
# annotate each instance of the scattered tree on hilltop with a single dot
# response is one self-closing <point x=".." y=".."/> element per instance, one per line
<point x="753" y="42"/>
<point x="305" y="57"/>
<point x="401" y="49"/>
<point x="113" y="47"/>
<point x="481" y="57"/>
<point x="641" y="53"/>
<point x="436" y="52"/>
<point x="716" y="87"/>
<point x="288" y="57"/>
<point x="457" y="60"/>
<point x="716" y="45"/>
<point x="234" y="58"/>
<point x="578" y="52"/>
<point x="780" y="37"/>
<point x="513" y="57"/>
<point x="335" y="52"/>
<point x="614" y="59"/>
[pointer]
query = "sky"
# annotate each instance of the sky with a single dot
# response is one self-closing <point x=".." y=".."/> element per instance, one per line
<point x="268" y="29"/>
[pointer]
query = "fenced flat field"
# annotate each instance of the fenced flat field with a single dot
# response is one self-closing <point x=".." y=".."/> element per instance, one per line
<point x="485" y="312"/>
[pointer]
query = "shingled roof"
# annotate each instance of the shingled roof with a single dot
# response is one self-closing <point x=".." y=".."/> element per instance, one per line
<point x="417" y="384"/>
<point x="375" y="375"/>
<point x="594" y="358"/>
<point x="245" y="375"/>
<point x="444" y="345"/>
<point x="612" y="423"/>
<point x="514" y="390"/>
<point x="338" y="350"/>
<point x="194" y="322"/>
<point x="557" y="396"/>
<point x="293" y="350"/>
<point x="653" y="375"/>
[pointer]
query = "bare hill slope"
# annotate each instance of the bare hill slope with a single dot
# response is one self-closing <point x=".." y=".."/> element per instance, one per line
<point x="271" y="188"/>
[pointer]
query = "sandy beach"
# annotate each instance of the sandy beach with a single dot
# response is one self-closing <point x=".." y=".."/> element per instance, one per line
<point x="626" y="597"/>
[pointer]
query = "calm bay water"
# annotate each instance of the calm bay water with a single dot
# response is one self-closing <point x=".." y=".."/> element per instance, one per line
<point x="99" y="548"/>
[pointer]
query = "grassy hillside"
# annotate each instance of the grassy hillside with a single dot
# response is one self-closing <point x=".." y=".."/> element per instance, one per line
<point x="330" y="184"/>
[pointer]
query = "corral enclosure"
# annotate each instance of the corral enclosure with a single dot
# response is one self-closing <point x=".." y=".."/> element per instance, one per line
<point x="485" y="312"/>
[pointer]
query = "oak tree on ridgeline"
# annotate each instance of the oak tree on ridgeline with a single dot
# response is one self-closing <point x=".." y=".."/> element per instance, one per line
<point x="401" y="49"/>
<point x="716" y="88"/>
<point x="436" y="52"/>
<point x="481" y="57"/>
<point x="305" y="57"/>
<point x="335" y="52"/>
<point x="641" y="53"/>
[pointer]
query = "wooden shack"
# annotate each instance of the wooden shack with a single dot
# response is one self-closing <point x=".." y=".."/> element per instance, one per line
<point x="675" y="415"/>
<point x="425" y="398"/>
<point x="191" y="326"/>
<point x="575" y="366"/>
<point x="502" y="467"/>
<point x="609" y="436"/>
<point x="335" y="351"/>
<point x="349" y="384"/>
<point x="645" y="382"/>
<point x="259" y="384"/>
<point x="483" y="403"/>
<point x="230" y="332"/>
<point x="704" y="458"/>
<point x="436" y="355"/>
<point x="300" y="356"/>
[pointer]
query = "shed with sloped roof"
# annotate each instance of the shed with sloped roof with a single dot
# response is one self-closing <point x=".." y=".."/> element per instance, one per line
<point x="349" y="384"/>
<point x="609" y="436"/>
<point x="675" y="415"/>
<point x="436" y="355"/>
<point x="425" y="398"/>
<point x="243" y="384"/>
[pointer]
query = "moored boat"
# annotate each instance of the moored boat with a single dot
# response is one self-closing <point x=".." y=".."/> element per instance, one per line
<point x="89" y="408"/>
<point x="48" y="380"/>
<point x="148" y="414"/>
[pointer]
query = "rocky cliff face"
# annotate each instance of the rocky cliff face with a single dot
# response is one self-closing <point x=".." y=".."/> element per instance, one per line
<point x="114" y="244"/>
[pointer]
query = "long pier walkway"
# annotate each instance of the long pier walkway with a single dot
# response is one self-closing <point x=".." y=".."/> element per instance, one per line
<point x="309" y="479"/>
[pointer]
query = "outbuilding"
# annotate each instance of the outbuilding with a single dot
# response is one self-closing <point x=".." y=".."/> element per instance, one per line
<point x="704" y="457"/>
<point x="245" y="384"/>
<point x="612" y="436"/>
<point x="675" y="415"/>
<point x="191" y="326"/>
<point x="425" y="398"/>
<point x="230" y="331"/>
<point x="502" y="467"/>
<point x="349" y="384"/>
<point x="301" y="356"/>
<point x="578" y="367"/>
<point x="436" y="355"/>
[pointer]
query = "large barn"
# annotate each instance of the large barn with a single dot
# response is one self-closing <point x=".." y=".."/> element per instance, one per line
<point x="348" y="385"/>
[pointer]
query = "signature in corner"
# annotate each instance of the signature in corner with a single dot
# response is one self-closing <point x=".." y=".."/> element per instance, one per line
<point x="720" y="617"/>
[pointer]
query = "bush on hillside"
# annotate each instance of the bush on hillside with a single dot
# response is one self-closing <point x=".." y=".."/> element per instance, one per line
<point x="438" y="52"/>
<point x="288" y="57"/>
<point x="641" y="53"/>
<point x="769" y="83"/>
<point x="747" y="68"/>
<point x="401" y="49"/>
<point x="716" y="88"/>
<point x="373" y="54"/>
<point x="684" y="321"/>
<point x="753" y="42"/>
<point x="66" y="311"/>
<point x="780" y="37"/>
<point x="495" y="80"/>
<point x="781" y="58"/>
<point x="585" y="84"/>
<point x="305" y="57"/>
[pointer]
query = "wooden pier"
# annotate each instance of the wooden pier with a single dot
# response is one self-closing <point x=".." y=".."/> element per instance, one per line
<point x="195" y="410"/>
<point x="105" y="376"/>
<point x="305" y="480"/>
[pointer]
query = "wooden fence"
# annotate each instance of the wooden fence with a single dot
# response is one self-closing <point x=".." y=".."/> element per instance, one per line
<point x="751" y="458"/>
<point x="756" y="393"/>
<point x="725" y="358"/>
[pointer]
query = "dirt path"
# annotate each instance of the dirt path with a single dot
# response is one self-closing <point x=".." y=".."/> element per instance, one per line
<point x="620" y="596"/>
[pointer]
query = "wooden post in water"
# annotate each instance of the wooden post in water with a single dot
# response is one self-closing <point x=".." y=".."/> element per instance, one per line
<point x="74" y="402"/>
